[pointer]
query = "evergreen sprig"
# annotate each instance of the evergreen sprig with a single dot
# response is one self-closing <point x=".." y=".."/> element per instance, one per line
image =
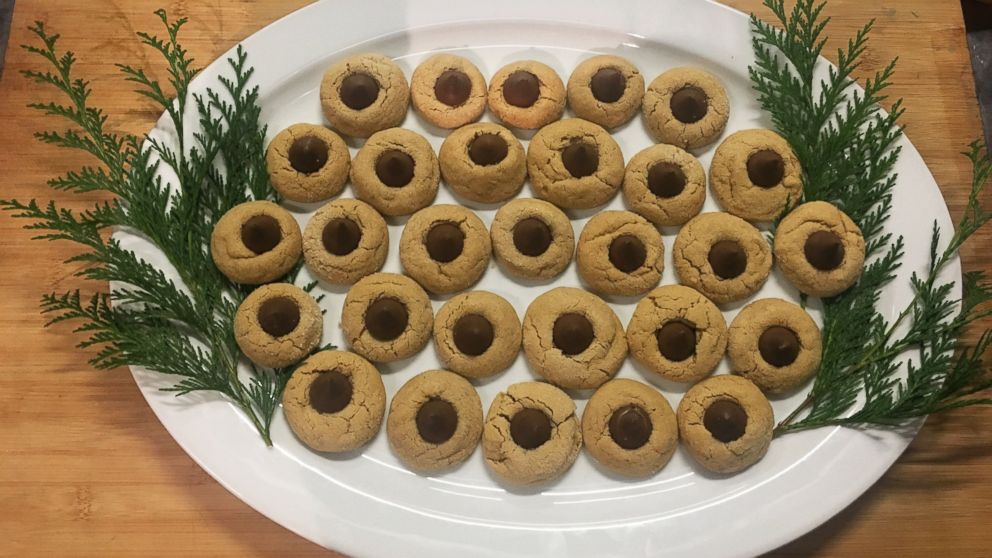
<point x="869" y="374"/>
<point x="182" y="328"/>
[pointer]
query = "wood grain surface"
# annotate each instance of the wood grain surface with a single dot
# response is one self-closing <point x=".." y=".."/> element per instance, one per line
<point x="87" y="470"/>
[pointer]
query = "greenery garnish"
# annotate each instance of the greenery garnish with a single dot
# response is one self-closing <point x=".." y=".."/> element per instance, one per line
<point x="148" y="320"/>
<point x="847" y="147"/>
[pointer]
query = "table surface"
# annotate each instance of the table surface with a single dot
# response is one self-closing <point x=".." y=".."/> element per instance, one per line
<point x="88" y="470"/>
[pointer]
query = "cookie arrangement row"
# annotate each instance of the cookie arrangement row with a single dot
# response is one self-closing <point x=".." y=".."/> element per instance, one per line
<point x="573" y="339"/>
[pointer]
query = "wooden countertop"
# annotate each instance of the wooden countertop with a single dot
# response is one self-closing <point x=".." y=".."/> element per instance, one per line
<point x="87" y="470"/>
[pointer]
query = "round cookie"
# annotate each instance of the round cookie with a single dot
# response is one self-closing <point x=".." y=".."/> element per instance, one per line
<point x="687" y="107"/>
<point x="334" y="401"/>
<point x="665" y="184"/>
<point x="256" y="242"/>
<point x="344" y="241"/>
<point x="277" y="325"/>
<point x="526" y="94"/>
<point x="386" y="317"/>
<point x="573" y="339"/>
<point x="363" y="94"/>
<point x="448" y="91"/>
<point x="677" y="333"/>
<point x="819" y="249"/>
<point x="629" y="428"/>
<point x="307" y="163"/>
<point x="775" y="344"/>
<point x="575" y="164"/>
<point x="606" y="89"/>
<point x="435" y="421"/>
<point x="477" y="334"/>
<point x="483" y="162"/>
<point x="396" y="172"/>
<point x="725" y="423"/>
<point x="532" y="239"/>
<point x="755" y="175"/>
<point x="620" y="253"/>
<point x="445" y="248"/>
<point x="531" y="435"/>
<point x="722" y="256"/>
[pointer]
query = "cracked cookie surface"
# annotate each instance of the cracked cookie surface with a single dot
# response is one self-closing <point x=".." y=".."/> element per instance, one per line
<point x="334" y="401"/>
<point x="386" y="317"/>
<point x="307" y="163"/>
<point x="363" y="94"/>
<point x="344" y="241"/>
<point x="278" y="324"/>
<point x="445" y="248"/>
<point x="606" y="90"/>
<point x="448" y="91"/>
<point x="755" y="175"/>
<point x="483" y="162"/>
<point x="532" y="239"/>
<point x="573" y="339"/>
<point x="629" y="428"/>
<point x="532" y="462"/>
<point x="723" y="257"/>
<point x="819" y="249"/>
<point x="526" y="94"/>
<point x="256" y="242"/>
<point x="477" y="334"/>
<point x="435" y="421"/>
<point x="620" y="253"/>
<point x="396" y="172"/>
<point x="734" y="409"/>
<point x="677" y="333"/>
<point x="665" y="184"/>
<point x="574" y="164"/>
<point x="775" y="344"/>
<point x="687" y="107"/>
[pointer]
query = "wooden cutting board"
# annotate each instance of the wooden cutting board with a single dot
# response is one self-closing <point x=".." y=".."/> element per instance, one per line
<point x="87" y="470"/>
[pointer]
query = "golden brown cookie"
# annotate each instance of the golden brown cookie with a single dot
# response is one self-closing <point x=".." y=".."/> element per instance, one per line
<point x="620" y="253"/>
<point x="606" y="89"/>
<point x="363" y="94"/>
<point x="819" y="249"/>
<point x="344" y="241"/>
<point x="307" y="163"/>
<point x="334" y="401"/>
<point x="722" y="256"/>
<point x="386" y="317"/>
<point x="477" y="334"/>
<point x="532" y="239"/>
<point x="531" y="435"/>
<point x="725" y="423"/>
<point x="574" y="164"/>
<point x="629" y="428"/>
<point x="448" y="91"/>
<point x="573" y="339"/>
<point x="756" y="176"/>
<point x="445" y="248"/>
<point x="256" y="242"/>
<point x="665" y="184"/>
<point x="775" y="344"/>
<point x="677" y="333"/>
<point x="483" y="162"/>
<point x="277" y="325"/>
<point x="396" y="172"/>
<point x="526" y="94"/>
<point x="435" y="421"/>
<point x="687" y="107"/>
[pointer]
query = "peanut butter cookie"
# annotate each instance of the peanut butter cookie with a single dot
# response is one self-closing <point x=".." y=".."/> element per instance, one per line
<point x="386" y="317"/>
<point x="687" y="107"/>
<point x="477" y="334"/>
<point x="532" y="239"/>
<point x="775" y="344"/>
<point x="574" y="164"/>
<point x="620" y="253"/>
<point x="573" y="339"/>
<point x="396" y="172"/>
<point x="820" y="249"/>
<point x="606" y="90"/>
<point x="755" y="175"/>
<point x="448" y="91"/>
<point x="344" y="241"/>
<point x="277" y="325"/>
<point x="445" y="248"/>
<point x="665" y="184"/>
<point x="483" y="163"/>
<point x="307" y="163"/>
<point x="363" y="94"/>
<point x="526" y="94"/>
<point x="256" y="242"/>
